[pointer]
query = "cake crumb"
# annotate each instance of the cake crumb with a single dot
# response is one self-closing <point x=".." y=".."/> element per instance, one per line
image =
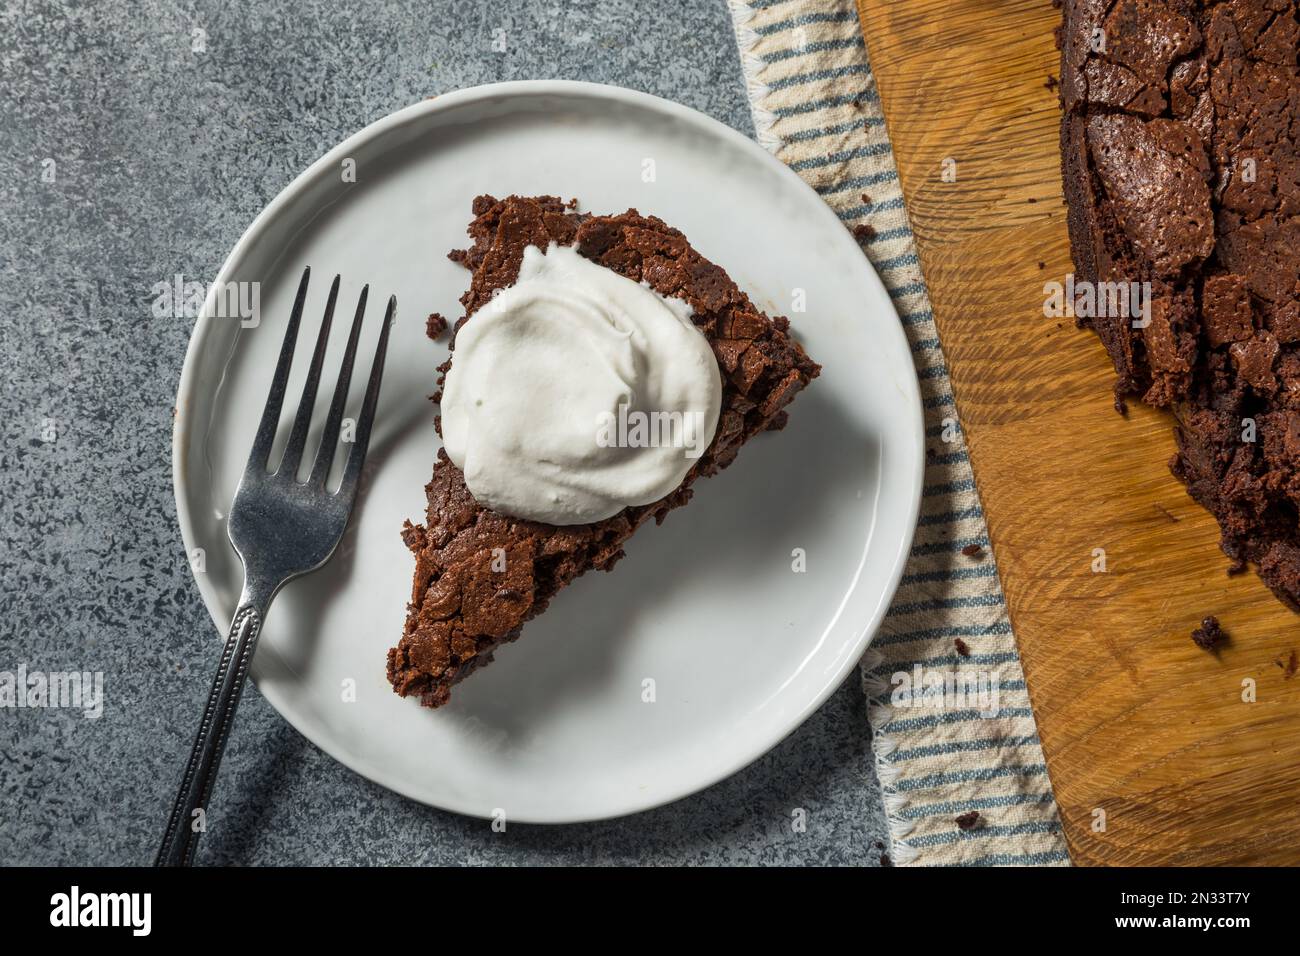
<point x="1209" y="635"/>
<point x="973" y="551"/>
<point x="435" y="325"/>
<point x="864" y="232"/>
<point x="866" y="199"/>
<point x="968" y="821"/>
<point x="962" y="647"/>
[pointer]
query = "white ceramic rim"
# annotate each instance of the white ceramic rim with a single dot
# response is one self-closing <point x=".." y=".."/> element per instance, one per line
<point x="571" y="88"/>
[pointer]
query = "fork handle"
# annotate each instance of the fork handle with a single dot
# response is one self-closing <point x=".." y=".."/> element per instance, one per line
<point x="188" y="819"/>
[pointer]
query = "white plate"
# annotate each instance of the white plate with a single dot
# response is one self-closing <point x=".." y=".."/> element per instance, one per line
<point x="740" y="647"/>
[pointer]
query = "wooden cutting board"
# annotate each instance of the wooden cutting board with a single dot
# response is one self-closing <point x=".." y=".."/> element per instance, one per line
<point x="1155" y="756"/>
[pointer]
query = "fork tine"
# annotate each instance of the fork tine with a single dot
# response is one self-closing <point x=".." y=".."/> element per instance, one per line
<point x="357" y="457"/>
<point x="261" y="452"/>
<point x="302" y="421"/>
<point x="330" y="437"/>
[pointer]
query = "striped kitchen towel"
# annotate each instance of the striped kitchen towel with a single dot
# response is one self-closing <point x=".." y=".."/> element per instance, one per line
<point x="956" y="745"/>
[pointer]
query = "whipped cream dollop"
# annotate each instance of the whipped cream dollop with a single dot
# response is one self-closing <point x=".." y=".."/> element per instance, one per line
<point x="576" y="392"/>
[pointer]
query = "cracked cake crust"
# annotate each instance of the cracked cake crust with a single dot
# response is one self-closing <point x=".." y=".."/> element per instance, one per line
<point x="1180" y="165"/>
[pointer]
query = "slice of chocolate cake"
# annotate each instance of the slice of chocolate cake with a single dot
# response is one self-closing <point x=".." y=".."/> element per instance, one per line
<point x="481" y="575"/>
<point x="1181" y="169"/>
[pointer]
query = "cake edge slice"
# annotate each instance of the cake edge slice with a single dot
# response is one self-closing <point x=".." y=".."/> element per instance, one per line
<point x="480" y="576"/>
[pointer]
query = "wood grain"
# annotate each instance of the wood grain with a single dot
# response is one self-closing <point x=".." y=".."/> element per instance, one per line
<point x="1136" y="721"/>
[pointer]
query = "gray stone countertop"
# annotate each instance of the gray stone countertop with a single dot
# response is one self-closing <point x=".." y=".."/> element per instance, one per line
<point x="125" y="158"/>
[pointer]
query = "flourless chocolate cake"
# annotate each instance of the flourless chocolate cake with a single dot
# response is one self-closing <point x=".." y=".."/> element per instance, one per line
<point x="1181" y="170"/>
<point x="481" y="575"/>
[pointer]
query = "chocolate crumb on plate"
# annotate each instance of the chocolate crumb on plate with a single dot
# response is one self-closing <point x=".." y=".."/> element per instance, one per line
<point x="435" y="325"/>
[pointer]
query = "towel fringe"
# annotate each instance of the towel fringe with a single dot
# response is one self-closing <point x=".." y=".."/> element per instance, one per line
<point x="751" y="65"/>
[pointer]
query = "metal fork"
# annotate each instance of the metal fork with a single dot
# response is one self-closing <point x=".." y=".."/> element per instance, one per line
<point x="281" y="528"/>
